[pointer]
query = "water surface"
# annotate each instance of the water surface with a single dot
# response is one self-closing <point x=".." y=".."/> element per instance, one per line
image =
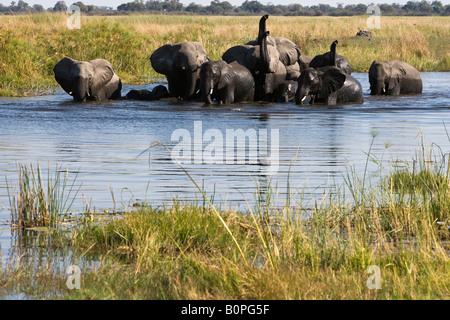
<point x="104" y="143"/>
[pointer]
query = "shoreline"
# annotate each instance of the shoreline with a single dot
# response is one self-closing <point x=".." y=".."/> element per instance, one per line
<point x="31" y="45"/>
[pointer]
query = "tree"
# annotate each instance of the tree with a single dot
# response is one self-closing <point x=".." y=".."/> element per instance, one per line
<point x="38" y="8"/>
<point x="154" y="5"/>
<point x="438" y="7"/>
<point x="132" y="6"/>
<point x="82" y="6"/>
<point x="252" y="6"/>
<point x="193" y="7"/>
<point x="60" y="6"/>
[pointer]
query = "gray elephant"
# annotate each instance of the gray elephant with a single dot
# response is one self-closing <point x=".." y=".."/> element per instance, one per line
<point x="180" y="63"/>
<point x="92" y="80"/>
<point x="328" y="85"/>
<point x="158" y="92"/>
<point x="325" y="59"/>
<point x="227" y="83"/>
<point x="288" y="52"/>
<point x="393" y="78"/>
<point x="263" y="61"/>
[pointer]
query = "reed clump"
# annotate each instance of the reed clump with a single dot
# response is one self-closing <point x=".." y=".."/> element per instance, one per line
<point x="32" y="44"/>
<point x="40" y="203"/>
<point x="299" y="251"/>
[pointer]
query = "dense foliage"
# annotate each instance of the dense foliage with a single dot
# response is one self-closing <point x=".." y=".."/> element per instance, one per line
<point x="249" y="7"/>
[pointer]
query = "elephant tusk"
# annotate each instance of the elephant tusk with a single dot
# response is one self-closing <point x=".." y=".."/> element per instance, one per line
<point x="211" y="91"/>
<point x="303" y="99"/>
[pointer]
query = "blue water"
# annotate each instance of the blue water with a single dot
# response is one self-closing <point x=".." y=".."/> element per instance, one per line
<point x="104" y="142"/>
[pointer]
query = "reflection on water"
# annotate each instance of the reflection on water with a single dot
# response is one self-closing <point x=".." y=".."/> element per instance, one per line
<point x="103" y="142"/>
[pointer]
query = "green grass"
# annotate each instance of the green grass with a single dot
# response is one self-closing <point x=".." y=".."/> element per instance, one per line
<point x="195" y="251"/>
<point x="39" y="203"/>
<point x="31" y="45"/>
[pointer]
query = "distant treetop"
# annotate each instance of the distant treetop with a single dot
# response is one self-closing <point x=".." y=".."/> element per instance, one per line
<point x="249" y="7"/>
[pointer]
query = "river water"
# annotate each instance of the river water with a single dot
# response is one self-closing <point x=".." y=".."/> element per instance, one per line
<point x="107" y="144"/>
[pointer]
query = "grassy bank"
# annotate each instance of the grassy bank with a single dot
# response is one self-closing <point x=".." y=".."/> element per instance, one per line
<point x="400" y="225"/>
<point x="32" y="44"/>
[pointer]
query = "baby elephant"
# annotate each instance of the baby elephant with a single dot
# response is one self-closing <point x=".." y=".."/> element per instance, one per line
<point x="92" y="80"/>
<point x="158" y="92"/>
<point x="227" y="83"/>
<point x="393" y="78"/>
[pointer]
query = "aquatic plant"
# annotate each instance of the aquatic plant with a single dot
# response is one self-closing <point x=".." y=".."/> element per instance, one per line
<point x="40" y="204"/>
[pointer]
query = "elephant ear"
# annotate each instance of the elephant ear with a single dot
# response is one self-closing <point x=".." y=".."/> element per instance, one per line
<point x="63" y="74"/>
<point x="332" y="80"/>
<point x="161" y="59"/>
<point x="225" y="80"/>
<point x="103" y="73"/>
<point x="289" y="52"/>
<point x="274" y="57"/>
<point x="396" y="75"/>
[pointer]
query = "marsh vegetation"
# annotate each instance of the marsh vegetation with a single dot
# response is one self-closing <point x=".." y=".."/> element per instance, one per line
<point x="31" y="45"/>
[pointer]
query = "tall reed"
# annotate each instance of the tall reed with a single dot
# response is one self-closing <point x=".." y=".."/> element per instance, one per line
<point x="38" y="203"/>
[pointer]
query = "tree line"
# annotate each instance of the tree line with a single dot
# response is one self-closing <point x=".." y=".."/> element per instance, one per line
<point x="249" y="7"/>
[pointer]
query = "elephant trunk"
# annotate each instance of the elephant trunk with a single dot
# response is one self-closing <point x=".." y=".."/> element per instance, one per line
<point x="300" y="96"/>
<point x="262" y="28"/>
<point x="264" y="55"/>
<point x="333" y="53"/>
<point x="376" y="87"/>
<point x="80" y="89"/>
<point x="206" y="84"/>
<point x="191" y="83"/>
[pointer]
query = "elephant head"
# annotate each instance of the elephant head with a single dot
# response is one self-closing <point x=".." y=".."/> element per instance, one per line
<point x="319" y="83"/>
<point x="180" y="63"/>
<point x="384" y="77"/>
<point x="93" y="80"/>
<point x="210" y="78"/>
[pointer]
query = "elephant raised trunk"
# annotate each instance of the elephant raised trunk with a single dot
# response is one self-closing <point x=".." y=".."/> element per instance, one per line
<point x="262" y="28"/>
<point x="333" y="53"/>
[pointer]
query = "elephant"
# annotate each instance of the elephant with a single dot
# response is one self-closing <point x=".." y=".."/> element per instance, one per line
<point x="92" y="80"/>
<point x="263" y="61"/>
<point x="393" y="78"/>
<point x="325" y="59"/>
<point x="227" y="83"/>
<point x="286" y="91"/>
<point x="180" y="63"/>
<point x="328" y="85"/>
<point x="289" y="52"/>
<point x="158" y="92"/>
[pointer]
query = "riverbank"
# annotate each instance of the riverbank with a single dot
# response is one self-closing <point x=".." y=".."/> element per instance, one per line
<point x="390" y="240"/>
<point x="32" y="44"/>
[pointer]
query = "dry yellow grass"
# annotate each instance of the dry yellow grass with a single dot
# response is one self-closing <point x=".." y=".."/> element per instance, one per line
<point x="31" y="44"/>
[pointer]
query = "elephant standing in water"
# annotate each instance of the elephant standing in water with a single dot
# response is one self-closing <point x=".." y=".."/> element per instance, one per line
<point x="92" y="80"/>
<point x="265" y="62"/>
<point x="326" y="59"/>
<point x="180" y="63"/>
<point x="158" y="92"/>
<point x="227" y="83"/>
<point x="329" y="85"/>
<point x="393" y="78"/>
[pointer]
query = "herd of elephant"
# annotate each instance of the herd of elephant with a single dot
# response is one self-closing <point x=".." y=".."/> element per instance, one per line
<point x="266" y="69"/>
